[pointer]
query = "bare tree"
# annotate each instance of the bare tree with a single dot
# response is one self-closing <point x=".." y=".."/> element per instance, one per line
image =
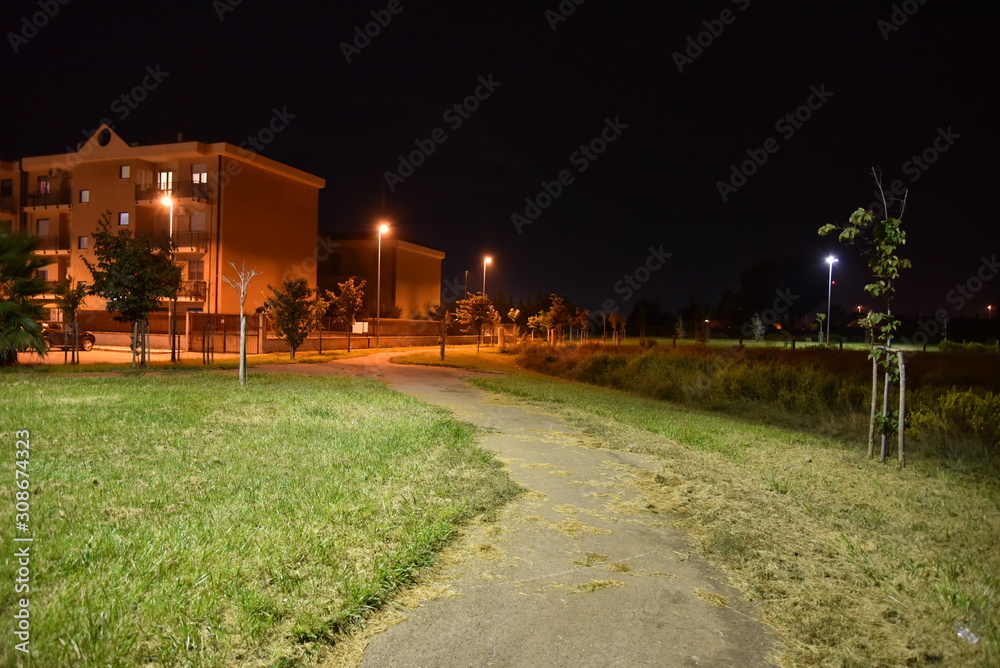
<point x="240" y="284"/>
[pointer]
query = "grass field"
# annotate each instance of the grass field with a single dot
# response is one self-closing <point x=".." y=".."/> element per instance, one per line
<point x="181" y="520"/>
<point x="853" y="562"/>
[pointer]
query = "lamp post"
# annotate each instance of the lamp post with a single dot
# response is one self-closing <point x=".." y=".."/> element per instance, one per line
<point x="382" y="229"/>
<point x="829" y="294"/>
<point x="487" y="260"/>
<point x="168" y="201"/>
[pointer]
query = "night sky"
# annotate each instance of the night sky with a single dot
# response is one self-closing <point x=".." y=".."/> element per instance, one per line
<point x="869" y="86"/>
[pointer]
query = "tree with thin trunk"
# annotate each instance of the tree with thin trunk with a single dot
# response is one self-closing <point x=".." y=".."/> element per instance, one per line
<point x="294" y="309"/>
<point x="617" y="321"/>
<point x="347" y="304"/>
<point x="70" y="297"/>
<point x="19" y="286"/>
<point x="134" y="274"/>
<point x="879" y="241"/>
<point x="240" y="284"/>
<point x="476" y="311"/>
<point x="757" y="327"/>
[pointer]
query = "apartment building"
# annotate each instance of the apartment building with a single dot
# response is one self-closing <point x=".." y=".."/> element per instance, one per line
<point x="411" y="273"/>
<point x="219" y="202"/>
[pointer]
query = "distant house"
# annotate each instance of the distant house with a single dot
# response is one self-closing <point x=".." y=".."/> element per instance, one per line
<point x="227" y="204"/>
<point x="411" y="273"/>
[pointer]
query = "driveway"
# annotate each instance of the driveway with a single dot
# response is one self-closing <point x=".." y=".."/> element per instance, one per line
<point x="580" y="571"/>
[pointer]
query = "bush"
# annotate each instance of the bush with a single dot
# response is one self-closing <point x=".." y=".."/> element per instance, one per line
<point x="960" y="413"/>
<point x="956" y="347"/>
<point x="647" y="344"/>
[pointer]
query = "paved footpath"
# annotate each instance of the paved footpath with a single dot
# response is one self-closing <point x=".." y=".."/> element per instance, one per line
<point x="576" y="573"/>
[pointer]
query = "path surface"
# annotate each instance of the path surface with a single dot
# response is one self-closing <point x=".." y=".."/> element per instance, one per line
<point x="579" y="572"/>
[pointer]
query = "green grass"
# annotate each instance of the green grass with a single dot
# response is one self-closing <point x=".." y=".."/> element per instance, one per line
<point x="853" y="563"/>
<point x="182" y="520"/>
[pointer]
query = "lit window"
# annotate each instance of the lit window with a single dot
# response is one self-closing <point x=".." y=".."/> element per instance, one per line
<point x="42" y="274"/>
<point x="123" y="218"/>
<point x="84" y="196"/>
<point x="44" y="185"/>
<point x="125" y="172"/>
<point x="199" y="173"/>
<point x="83" y="243"/>
<point x="165" y="181"/>
<point x="196" y="270"/>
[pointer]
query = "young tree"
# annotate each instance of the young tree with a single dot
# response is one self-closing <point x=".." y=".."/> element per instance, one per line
<point x="133" y="274"/>
<point x="757" y="327"/>
<point x="679" y="331"/>
<point x="19" y="284"/>
<point x="475" y="311"/>
<point x="617" y="321"/>
<point x="240" y="284"/>
<point x="70" y="298"/>
<point x="348" y="304"/>
<point x="558" y="316"/>
<point x="294" y="310"/>
<point x="879" y="241"/>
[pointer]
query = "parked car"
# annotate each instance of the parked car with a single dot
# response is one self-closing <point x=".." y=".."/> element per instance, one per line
<point x="56" y="336"/>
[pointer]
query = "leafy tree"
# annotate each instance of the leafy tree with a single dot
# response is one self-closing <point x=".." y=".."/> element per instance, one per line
<point x="617" y="321"/>
<point x="348" y="303"/>
<point x="70" y="298"/>
<point x="679" y="331"/>
<point x="133" y="273"/>
<point x="558" y="316"/>
<point x="240" y="284"/>
<point x="534" y="324"/>
<point x="757" y="327"/>
<point x="294" y="309"/>
<point x="879" y="241"/>
<point x="19" y="285"/>
<point x="475" y="311"/>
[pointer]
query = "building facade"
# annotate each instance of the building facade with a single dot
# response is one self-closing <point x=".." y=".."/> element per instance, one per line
<point x="411" y="273"/>
<point x="220" y="204"/>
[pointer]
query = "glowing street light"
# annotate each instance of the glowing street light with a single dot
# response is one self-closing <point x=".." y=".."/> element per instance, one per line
<point x="989" y="312"/>
<point x="382" y="229"/>
<point x="829" y="294"/>
<point x="168" y="201"/>
<point x="487" y="260"/>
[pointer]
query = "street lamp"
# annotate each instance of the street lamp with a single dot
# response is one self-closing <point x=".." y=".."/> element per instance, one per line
<point x="989" y="312"/>
<point x="487" y="260"/>
<point x="168" y="201"/>
<point x="829" y="294"/>
<point x="382" y="229"/>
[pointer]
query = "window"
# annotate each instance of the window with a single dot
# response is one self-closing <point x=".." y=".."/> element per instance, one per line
<point x="44" y="185"/>
<point x="42" y="274"/>
<point x="84" y="196"/>
<point x="196" y="270"/>
<point x="7" y="188"/>
<point x="123" y="218"/>
<point x="125" y="172"/>
<point x="199" y="173"/>
<point x="83" y="243"/>
<point x="165" y="181"/>
<point x="43" y="227"/>
<point x="197" y="221"/>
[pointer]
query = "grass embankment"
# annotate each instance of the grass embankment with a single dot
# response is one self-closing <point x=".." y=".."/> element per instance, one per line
<point x="182" y="520"/>
<point x="854" y="563"/>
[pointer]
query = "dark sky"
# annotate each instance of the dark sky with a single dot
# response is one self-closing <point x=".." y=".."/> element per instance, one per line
<point x="888" y="93"/>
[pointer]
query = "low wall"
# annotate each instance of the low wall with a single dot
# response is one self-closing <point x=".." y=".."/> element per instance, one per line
<point x="338" y="341"/>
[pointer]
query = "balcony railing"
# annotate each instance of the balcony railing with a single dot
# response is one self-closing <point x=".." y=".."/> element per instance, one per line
<point x="52" y="243"/>
<point x="193" y="290"/>
<point x="49" y="199"/>
<point x="191" y="241"/>
<point x="181" y="190"/>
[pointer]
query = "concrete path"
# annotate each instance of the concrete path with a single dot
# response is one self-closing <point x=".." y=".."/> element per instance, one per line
<point x="578" y="572"/>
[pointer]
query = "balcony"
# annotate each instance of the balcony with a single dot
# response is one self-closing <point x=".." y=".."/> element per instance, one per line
<point x="192" y="291"/>
<point x="49" y="200"/>
<point x="189" y="241"/>
<point x="53" y="244"/>
<point x="197" y="192"/>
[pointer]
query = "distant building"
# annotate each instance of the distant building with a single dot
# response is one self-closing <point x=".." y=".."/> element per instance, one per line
<point x="411" y="273"/>
<point x="229" y="205"/>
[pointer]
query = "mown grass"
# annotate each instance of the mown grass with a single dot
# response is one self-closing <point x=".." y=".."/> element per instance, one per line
<point x="854" y="563"/>
<point x="183" y="520"/>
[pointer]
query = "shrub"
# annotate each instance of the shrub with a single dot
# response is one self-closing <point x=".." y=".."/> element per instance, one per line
<point x="973" y="347"/>
<point x="960" y="413"/>
<point x="647" y="344"/>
